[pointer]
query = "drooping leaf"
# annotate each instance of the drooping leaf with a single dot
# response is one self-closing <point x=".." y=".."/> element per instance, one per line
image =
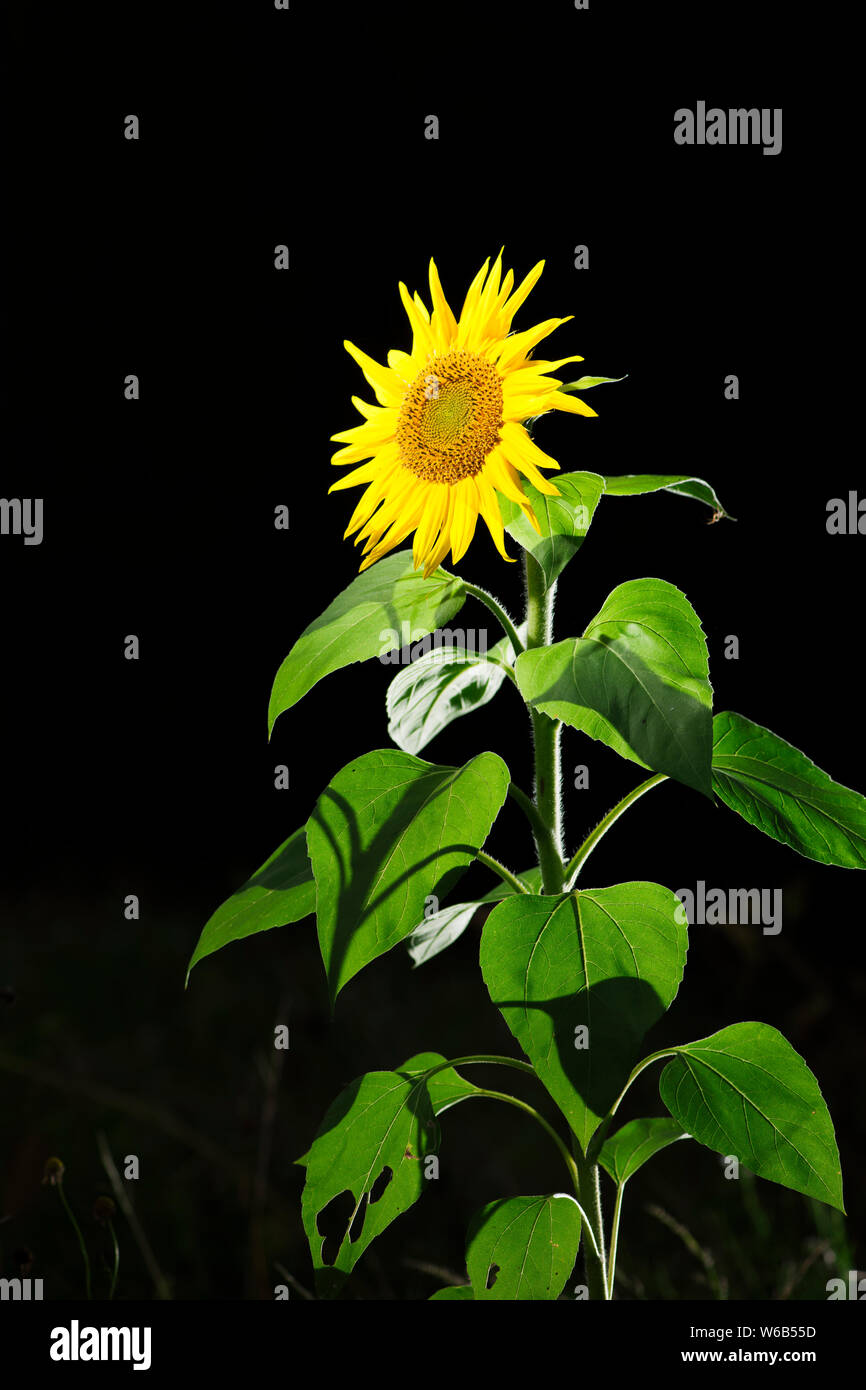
<point x="638" y="680"/>
<point x="446" y="1088"/>
<point x="368" y="1153"/>
<point x="779" y="790"/>
<point x="745" y="1092"/>
<point x="388" y="832"/>
<point x="388" y="598"/>
<point x="579" y="979"/>
<point x="443" y="684"/>
<point x="630" y="1148"/>
<point x="564" y="520"/>
<point x="441" y="929"/>
<point x="453" y="1292"/>
<point x="523" y="1247"/>
<point x="281" y="891"/>
<point x="633" y="484"/>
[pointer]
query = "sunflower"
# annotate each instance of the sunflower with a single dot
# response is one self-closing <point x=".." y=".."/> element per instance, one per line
<point x="447" y="435"/>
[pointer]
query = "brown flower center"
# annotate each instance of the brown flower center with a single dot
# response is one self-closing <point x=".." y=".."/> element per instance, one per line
<point x="450" y="418"/>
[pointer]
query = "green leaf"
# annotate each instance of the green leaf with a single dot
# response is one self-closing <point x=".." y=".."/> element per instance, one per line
<point x="564" y="520"/>
<point x="453" y="1291"/>
<point x="746" y="1092"/>
<point x="446" y="1088"/>
<point x="523" y="1247"/>
<point x="638" y="680"/>
<point x="607" y="960"/>
<point x="779" y="790"/>
<point x="357" y="624"/>
<point x="389" y="831"/>
<point x="441" y="929"/>
<point x="281" y="891"/>
<point x="439" y="687"/>
<point x="633" y="484"/>
<point x="585" y="382"/>
<point x="375" y="1136"/>
<point x="630" y="1148"/>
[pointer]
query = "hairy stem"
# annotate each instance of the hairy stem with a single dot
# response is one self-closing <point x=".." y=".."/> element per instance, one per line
<point x="505" y="874"/>
<point x="498" y="612"/>
<point x="578" y="860"/>
<point x="546" y="737"/>
<point x="589" y="1190"/>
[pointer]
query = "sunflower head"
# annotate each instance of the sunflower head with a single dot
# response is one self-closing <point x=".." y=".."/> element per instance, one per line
<point x="447" y="435"/>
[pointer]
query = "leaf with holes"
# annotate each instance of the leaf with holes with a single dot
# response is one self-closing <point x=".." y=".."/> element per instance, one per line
<point x="638" y="680"/>
<point x="579" y="979"/>
<point x="280" y="892"/>
<point x="633" y="484"/>
<point x="779" y="790"/>
<point x="564" y="520"/>
<point x="368" y="1161"/>
<point x="745" y="1091"/>
<point x="443" y="684"/>
<point x="633" y="1145"/>
<point x="523" y="1247"/>
<point x="441" y="929"/>
<point x="367" y="619"/>
<point x="387" y="833"/>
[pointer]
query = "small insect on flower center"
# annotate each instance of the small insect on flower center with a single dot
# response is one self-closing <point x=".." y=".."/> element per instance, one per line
<point x="450" y="418"/>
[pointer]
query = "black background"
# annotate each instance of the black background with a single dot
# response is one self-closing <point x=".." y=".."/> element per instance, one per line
<point x="156" y="777"/>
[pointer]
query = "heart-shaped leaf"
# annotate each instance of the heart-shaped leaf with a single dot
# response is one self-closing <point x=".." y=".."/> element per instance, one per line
<point x="523" y="1247"/>
<point x="564" y="520"/>
<point x="779" y="790"/>
<point x="389" y="605"/>
<point x="368" y="1157"/>
<point x="281" y="891"/>
<point x="579" y="980"/>
<point x="638" y="680"/>
<point x="747" y="1093"/>
<point x="387" y="833"/>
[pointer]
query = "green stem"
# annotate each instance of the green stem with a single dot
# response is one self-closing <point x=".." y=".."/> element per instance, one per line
<point x="505" y="874"/>
<point x="529" y="809"/>
<point x="578" y="860"/>
<point x="478" y="1059"/>
<point x="77" y="1229"/>
<point x="116" y="1260"/>
<point x="546" y="732"/>
<point x="589" y="1192"/>
<point x="601" y="1133"/>
<point x="498" y="612"/>
<point x="614" y="1239"/>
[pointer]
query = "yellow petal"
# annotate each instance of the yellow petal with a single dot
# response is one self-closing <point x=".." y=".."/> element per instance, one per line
<point x="465" y="517"/>
<point x="573" y="405"/>
<point x="489" y="507"/>
<point x="388" y="387"/>
<point x="443" y="320"/>
<point x="364" y="474"/>
<point x="423" y="338"/>
<point x="520" y="294"/>
<point x="432" y="517"/>
<point x="518" y="345"/>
